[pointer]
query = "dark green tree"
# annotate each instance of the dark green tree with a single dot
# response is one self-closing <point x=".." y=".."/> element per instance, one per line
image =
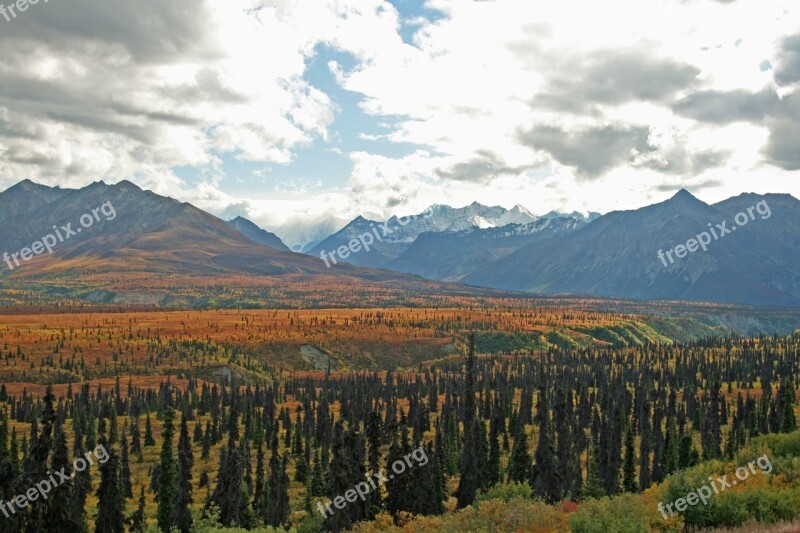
<point x="167" y="475"/>
<point x="109" y="497"/>
<point x="468" y="482"/>
<point x="182" y="514"/>
<point x="545" y="477"/>
<point x="629" y="468"/>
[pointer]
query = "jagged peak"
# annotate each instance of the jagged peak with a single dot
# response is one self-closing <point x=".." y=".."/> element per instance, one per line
<point x="683" y="194"/>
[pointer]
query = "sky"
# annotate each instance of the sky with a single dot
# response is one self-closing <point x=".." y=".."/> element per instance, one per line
<point x="292" y="112"/>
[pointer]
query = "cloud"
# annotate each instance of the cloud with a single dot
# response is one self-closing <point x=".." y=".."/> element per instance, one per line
<point x="116" y="90"/>
<point x="724" y="107"/>
<point x="781" y="116"/>
<point x="612" y="77"/>
<point x="591" y="151"/>
<point x="483" y="168"/>
<point x="788" y="69"/>
<point x="784" y="138"/>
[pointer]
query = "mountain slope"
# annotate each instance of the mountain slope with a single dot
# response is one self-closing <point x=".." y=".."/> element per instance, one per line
<point x="616" y="255"/>
<point x="145" y="232"/>
<point x="27" y="197"/>
<point x="397" y="234"/>
<point x="257" y="234"/>
<point x="449" y="256"/>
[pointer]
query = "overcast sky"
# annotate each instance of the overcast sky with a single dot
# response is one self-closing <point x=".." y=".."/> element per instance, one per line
<point x="297" y="110"/>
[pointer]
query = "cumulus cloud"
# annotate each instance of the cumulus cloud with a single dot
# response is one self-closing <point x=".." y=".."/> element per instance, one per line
<point x="788" y="70"/>
<point x="591" y="151"/>
<point x="613" y="77"/>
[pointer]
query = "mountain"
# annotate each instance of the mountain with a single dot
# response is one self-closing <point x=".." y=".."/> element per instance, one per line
<point x="256" y="234"/>
<point x="617" y="255"/>
<point x="303" y="233"/>
<point x="449" y="256"/>
<point x="586" y="216"/>
<point x="396" y="235"/>
<point x="26" y="197"/>
<point x="121" y="228"/>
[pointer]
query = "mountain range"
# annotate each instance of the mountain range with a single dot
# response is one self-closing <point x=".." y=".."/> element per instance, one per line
<point x="149" y="235"/>
<point x="621" y="254"/>
<point x="617" y="254"/>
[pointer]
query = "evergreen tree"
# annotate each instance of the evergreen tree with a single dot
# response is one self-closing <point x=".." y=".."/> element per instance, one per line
<point x="468" y="483"/>
<point x="138" y="521"/>
<point x="671" y="448"/>
<point x="36" y="460"/>
<point x="545" y="477"/>
<point x="629" y="470"/>
<point x="593" y="488"/>
<point x="519" y="464"/>
<point x="788" y="399"/>
<point x="136" y="442"/>
<point x="167" y="475"/>
<point x="110" y="502"/>
<point x="644" y="443"/>
<point x="277" y="502"/>
<point x="182" y="515"/>
<point x="229" y="495"/>
<point x="347" y="469"/>
<point x="124" y="468"/>
<point x="148" y="433"/>
<point x="57" y="515"/>
<point x="81" y="489"/>
<point x="260" y="482"/>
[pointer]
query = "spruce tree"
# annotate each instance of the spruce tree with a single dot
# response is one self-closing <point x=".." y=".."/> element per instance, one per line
<point x="182" y="514"/>
<point x="148" y="433"/>
<point x="136" y="440"/>
<point x="137" y="522"/>
<point x="545" y="477"/>
<point x="644" y="442"/>
<point x="468" y="483"/>
<point x="110" y="502"/>
<point x="36" y="460"/>
<point x="167" y="475"/>
<point x="277" y="500"/>
<point x="125" y="468"/>
<point x="593" y="488"/>
<point x="57" y="515"/>
<point x="519" y="464"/>
<point x="81" y="489"/>
<point x="629" y="469"/>
<point x="788" y="399"/>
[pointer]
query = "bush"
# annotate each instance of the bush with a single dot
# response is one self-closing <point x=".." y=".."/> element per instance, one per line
<point x="506" y="492"/>
<point x="622" y="514"/>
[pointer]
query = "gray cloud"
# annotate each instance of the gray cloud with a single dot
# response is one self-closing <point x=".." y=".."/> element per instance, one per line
<point x="615" y="77"/>
<point x="150" y="31"/>
<point x="788" y="70"/>
<point x="780" y="115"/>
<point x="694" y="188"/>
<point x="782" y="148"/>
<point x="482" y="168"/>
<point x="719" y="107"/>
<point x="593" y="151"/>
<point x="679" y="161"/>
